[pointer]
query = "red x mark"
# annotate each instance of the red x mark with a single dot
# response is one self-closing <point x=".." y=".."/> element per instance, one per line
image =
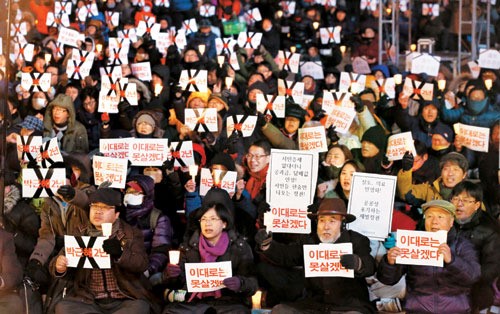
<point x="176" y="155"/>
<point x="238" y="126"/>
<point x="36" y="82"/>
<point x="416" y="91"/>
<point x="45" y="154"/>
<point x="269" y="106"/>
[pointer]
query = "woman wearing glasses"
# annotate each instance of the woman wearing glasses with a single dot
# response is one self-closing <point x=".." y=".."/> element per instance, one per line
<point x="214" y="240"/>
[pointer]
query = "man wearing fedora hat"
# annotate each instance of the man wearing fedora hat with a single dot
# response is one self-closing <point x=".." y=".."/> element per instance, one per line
<point x="328" y="294"/>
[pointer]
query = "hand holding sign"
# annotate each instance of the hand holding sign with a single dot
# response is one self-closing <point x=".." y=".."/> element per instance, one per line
<point x="112" y="247"/>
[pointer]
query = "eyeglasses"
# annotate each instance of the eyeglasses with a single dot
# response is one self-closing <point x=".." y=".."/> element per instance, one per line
<point x="89" y="103"/>
<point x="458" y="200"/>
<point x="59" y="110"/>
<point x="210" y="220"/>
<point x="257" y="157"/>
<point x="101" y="208"/>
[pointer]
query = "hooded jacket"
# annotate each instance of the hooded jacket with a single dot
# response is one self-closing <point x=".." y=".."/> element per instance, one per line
<point x="157" y="239"/>
<point x="75" y="137"/>
<point x="158" y="132"/>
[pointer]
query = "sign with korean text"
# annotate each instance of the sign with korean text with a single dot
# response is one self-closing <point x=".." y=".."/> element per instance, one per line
<point x="352" y="82"/>
<point x="399" y="144"/>
<point x="249" y="40"/>
<point x="224" y="45"/>
<point x="418" y="90"/>
<point x="341" y="118"/>
<point x="116" y="147"/>
<point x="28" y="147"/>
<point x="148" y="151"/>
<point x="332" y="99"/>
<point x="330" y="35"/>
<point x="473" y="137"/>
<point x="193" y="80"/>
<point x="42" y="182"/>
<point x="288" y="61"/>
<point x="70" y="37"/>
<point x="420" y="247"/>
<point x="201" y="120"/>
<point x="291" y="178"/>
<point x="205" y="277"/>
<point x="49" y="153"/>
<point x="372" y="200"/>
<point x="243" y="124"/>
<point x="141" y="70"/>
<point x="313" y="139"/>
<point x="225" y="180"/>
<point x="108" y="101"/>
<point x="360" y="65"/>
<point x="287" y="220"/>
<point x="269" y="104"/>
<point x="182" y="152"/>
<point x="110" y="169"/>
<point x="323" y="260"/>
<point x="489" y="59"/>
<point x="425" y="63"/>
<point x="368" y="5"/>
<point x="292" y="89"/>
<point x="312" y="68"/>
<point x="384" y="87"/>
<point x="86" y="252"/>
<point x="35" y="82"/>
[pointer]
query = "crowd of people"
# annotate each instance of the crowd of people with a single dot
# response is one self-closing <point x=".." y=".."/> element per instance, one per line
<point x="445" y="185"/>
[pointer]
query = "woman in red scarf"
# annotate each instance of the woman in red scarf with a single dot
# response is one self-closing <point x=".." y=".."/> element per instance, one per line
<point x="215" y="240"/>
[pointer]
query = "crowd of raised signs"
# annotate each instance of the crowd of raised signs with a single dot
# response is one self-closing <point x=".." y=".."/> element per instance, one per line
<point x="279" y="103"/>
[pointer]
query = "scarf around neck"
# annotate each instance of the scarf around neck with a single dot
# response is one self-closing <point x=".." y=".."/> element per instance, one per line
<point x="209" y="254"/>
<point x="256" y="181"/>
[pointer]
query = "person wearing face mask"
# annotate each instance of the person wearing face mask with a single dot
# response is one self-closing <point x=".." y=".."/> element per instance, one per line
<point x="442" y="139"/>
<point x="372" y="151"/>
<point x="335" y="158"/>
<point x="140" y="212"/>
<point x="144" y="13"/>
<point x="368" y="47"/>
<point x="477" y="110"/>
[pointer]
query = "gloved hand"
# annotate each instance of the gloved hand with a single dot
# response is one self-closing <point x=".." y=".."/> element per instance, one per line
<point x="261" y="120"/>
<point x="232" y="143"/>
<point x="263" y="238"/>
<point x="67" y="192"/>
<point x="123" y="106"/>
<point x="358" y="103"/>
<point x="318" y="115"/>
<point x="383" y="101"/>
<point x="156" y="279"/>
<point x="390" y="241"/>
<point x="351" y="261"/>
<point x="37" y="272"/>
<point x="168" y="164"/>
<point x="112" y="247"/>
<point x="386" y="163"/>
<point x="332" y="135"/>
<point x="105" y="118"/>
<point x="208" y="136"/>
<point x="172" y="271"/>
<point x="407" y="161"/>
<point x="232" y="283"/>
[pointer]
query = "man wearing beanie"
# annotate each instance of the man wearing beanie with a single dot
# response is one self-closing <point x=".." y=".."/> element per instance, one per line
<point x="60" y="122"/>
<point x="442" y="138"/>
<point x="287" y="136"/>
<point x="433" y="289"/>
<point x="107" y="290"/>
<point x="372" y="151"/>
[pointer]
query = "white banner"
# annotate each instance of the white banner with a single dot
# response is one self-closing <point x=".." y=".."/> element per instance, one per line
<point x="313" y="139"/>
<point x="473" y="137"/>
<point x="287" y="220"/>
<point x="42" y="182"/>
<point x="205" y="277"/>
<point x="225" y="180"/>
<point x="399" y="144"/>
<point x="89" y="252"/>
<point x="323" y="260"/>
<point x="420" y="247"/>
<point x="110" y="169"/>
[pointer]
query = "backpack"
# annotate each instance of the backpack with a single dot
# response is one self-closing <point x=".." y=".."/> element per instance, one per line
<point x="153" y="218"/>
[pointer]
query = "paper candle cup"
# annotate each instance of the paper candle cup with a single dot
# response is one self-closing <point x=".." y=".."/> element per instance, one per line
<point x="256" y="299"/>
<point x="106" y="228"/>
<point x="174" y="256"/>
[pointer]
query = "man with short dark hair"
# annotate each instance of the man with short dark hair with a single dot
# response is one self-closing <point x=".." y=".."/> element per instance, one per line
<point x="115" y="290"/>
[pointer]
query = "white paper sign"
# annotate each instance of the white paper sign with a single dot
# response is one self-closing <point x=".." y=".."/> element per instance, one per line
<point x="489" y="59"/>
<point x="330" y="35"/>
<point x="70" y="37"/>
<point x="399" y="144"/>
<point x="384" y="87"/>
<point x="142" y="70"/>
<point x="292" y="89"/>
<point x="108" y="101"/>
<point x="372" y="200"/>
<point x="369" y="5"/>
<point x="291" y="178"/>
<point x="162" y="3"/>
<point x="23" y="52"/>
<point x="18" y="28"/>
<point x="205" y="277"/>
<point x="182" y="152"/>
<point x="249" y="40"/>
<point x="245" y="125"/>
<point x="28" y="149"/>
<point x="35" y="82"/>
<point x="190" y="26"/>
<point x="288" y="8"/>
<point x="287" y="220"/>
<point x="61" y="7"/>
<point x="253" y="15"/>
<point x="225" y="180"/>
<point x="268" y="104"/>
<point x="420" y="247"/>
<point x="224" y="45"/>
<point x="201" y="120"/>
<point x="430" y="9"/>
<point x="78" y="70"/>
<point x="425" y="63"/>
<point x="323" y="260"/>
<point x="314" y="69"/>
<point x="313" y="139"/>
<point x="112" y="17"/>
<point x="151" y="28"/>
<point x="148" y="151"/>
<point x="54" y="20"/>
<point x="288" y="61"/>
<point x="49" y="153"/>
<point x="129" y="34"/>
<point x="336" y="99"/>
<point x="473" y="137"/>
<point x="207" y="10"/>
<point x="116" y="147"/>
<point x="474" y="68"/>
<point x="42" y="182"/>
<point x="341" y="118"/>
<point x="418" y="90"/>
<point x="347" y="79"/>
<point x="194" y="80"/>
<point x="360" y="65"/>
<point x="89" y="252"/>
<point x="110" y="169"/>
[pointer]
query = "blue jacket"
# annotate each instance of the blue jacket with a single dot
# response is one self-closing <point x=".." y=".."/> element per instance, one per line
<point x="433" y="289"/>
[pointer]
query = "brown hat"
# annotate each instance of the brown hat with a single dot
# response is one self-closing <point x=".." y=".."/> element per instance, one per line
<point x="334" y="206"/>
